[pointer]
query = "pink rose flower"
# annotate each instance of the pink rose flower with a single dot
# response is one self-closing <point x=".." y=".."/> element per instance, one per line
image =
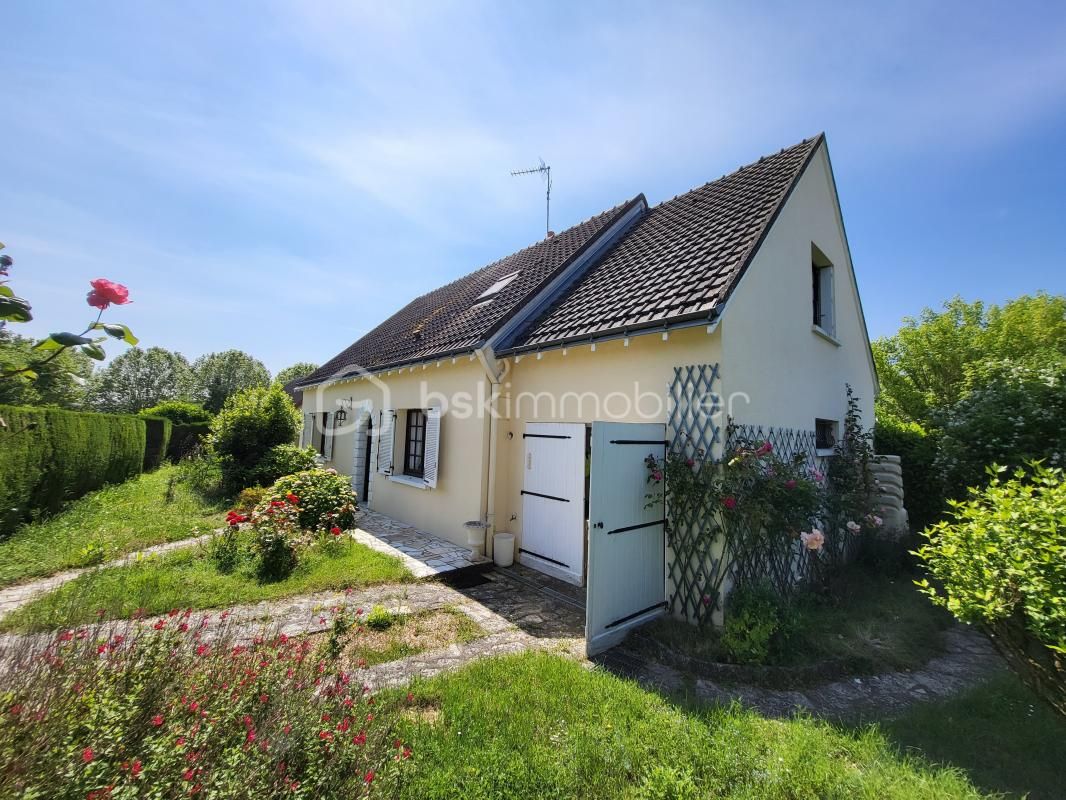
<point x="790" y="484"/>
<point x="729" y="502"/>
<point x="105" y="292"/>
<point x="813" y="540"/>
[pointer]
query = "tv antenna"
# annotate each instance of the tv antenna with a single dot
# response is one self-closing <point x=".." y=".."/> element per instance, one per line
<point x="545" y="173"/>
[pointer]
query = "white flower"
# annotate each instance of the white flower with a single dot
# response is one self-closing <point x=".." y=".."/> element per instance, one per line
<point x="853" y="526"/>
<point x="813" y="540"/>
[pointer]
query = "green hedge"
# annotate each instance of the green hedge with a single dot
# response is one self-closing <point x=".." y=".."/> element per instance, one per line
<point x="185" y="438"/>
<point x="157" y="438"/>
<point x="49" y="456"/>
<point x="923" y="487"/>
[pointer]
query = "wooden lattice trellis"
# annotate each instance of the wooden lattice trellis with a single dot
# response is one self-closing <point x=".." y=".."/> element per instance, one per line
<point x="702" y="564"/>
<point x="696" y="561"/>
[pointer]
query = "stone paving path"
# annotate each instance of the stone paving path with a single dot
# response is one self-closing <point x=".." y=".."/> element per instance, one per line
<point x="968" y="658"/>
<point x="424" y="554"/>
<point x="20" y="594"/>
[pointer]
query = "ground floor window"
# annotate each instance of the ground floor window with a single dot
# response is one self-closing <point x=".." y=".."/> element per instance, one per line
<point x="414" y="448"/>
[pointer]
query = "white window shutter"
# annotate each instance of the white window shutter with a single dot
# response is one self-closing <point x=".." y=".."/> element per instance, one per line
<point x="327" y="442"/>
<point x="432" y="447"/>
<point x="386" y="441"/>
<point x="308" y="431"/>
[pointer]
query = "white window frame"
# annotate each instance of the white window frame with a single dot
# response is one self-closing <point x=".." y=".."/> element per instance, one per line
<point x="823" y="295"/>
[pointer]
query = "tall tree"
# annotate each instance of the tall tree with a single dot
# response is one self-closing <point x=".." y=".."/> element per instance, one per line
<point x="218" y="376"/>
<point x="59" y="382"/>
<point x="140" y="378"/>
<point x="301" y="369"/>
<point x="935" y="360"/>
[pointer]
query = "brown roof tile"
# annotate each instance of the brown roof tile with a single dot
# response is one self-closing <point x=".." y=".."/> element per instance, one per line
<point x="448" y="320"/>
<point x="680" y="260"/>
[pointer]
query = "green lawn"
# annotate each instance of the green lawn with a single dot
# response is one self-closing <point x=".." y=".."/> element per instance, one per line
<point x="539" y="725"/>
<point x="107" y="523"/>
<point x="1004" y="737"/>
<point x="869" y="623"/>
<point x="189" y="579"/>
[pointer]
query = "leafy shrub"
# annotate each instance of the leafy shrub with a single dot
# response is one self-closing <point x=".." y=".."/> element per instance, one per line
<point x="999" y="560"/>
<point x="94" y="552"/>
<point x="281" y="460"/>
<point x="226" y="550"/>
<point x="179" y="412"/>
<point x="249" y="498"/>
<point x="49" y="457"/>
<point x="380" y="618"/>
<point x="278" y="538"/>
<point x="664" y="782"/>
<point x="757" y="625"/>
<point x="166" y="708"/>
<point x="326" y="499"/>
<point x="1014" y="416"/>
<point x="251" y="423"/>
<point x="157" y="438"/>
<point x="923" y="488"/>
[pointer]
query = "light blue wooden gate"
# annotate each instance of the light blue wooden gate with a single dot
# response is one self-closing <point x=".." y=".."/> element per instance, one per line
<point x="627" y="539"/>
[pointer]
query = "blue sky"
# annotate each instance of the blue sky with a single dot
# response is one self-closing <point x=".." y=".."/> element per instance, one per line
<point x="279" y="177"/>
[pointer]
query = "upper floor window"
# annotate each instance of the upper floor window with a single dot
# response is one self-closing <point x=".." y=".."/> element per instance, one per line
<point x="822" y="292"/>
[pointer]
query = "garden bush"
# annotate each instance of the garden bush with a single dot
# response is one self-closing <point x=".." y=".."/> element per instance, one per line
<point x="923" y="488"/>
<point x="49" y="456"/>
<point x="1012" y="416"/>
<point x="326" y="499"/>
<point x="279" y="537"/>
<point x="281" y="460"/>
<point x="157" y="437"/>
<point x="180" y="412"/>
<point x="179" y="707"/>
<point x="997" y="562"/>
<point x="757" y="625"/>
<point x="249" y="425"/>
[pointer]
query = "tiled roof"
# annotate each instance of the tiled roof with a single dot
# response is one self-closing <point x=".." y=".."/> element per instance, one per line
<point x="448" y="320"/>
<point x="680" y="260"/>
<point x="677" y="262"/>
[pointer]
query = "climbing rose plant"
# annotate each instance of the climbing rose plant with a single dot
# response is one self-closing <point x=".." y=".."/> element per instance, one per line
<point x="102" y="295"/>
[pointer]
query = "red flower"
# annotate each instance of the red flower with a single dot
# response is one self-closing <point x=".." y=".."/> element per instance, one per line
<point x="233" y="519"/>
<point x="87" y="755"/>
<point x="325" y="736"/>
<point x="359" y="738"/>
<point x="790" y="484"/>
<point x="292" y="498"/>
<point x="106" y="292"/>
<point x="335" y="531"/>
<point x="369" y="777"/>
<point x="188" y="774"/>
<point x="157" y="720"/>
<point x="160" y="624"/>
<point x="16" y="709"/>
<point x="729" y="502"/>
<point x="263" y="698"/>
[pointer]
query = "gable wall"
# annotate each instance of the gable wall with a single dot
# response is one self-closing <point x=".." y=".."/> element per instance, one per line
<point x="770" y="353"/>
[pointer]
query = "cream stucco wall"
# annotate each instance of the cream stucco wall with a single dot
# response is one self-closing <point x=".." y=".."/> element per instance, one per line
<point x="460" y="488"/>
<point x="775" y="369"/>
<point x="616" y="382"/>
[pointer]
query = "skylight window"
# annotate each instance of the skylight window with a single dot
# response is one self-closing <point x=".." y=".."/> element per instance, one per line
<point x="496" y="288"/>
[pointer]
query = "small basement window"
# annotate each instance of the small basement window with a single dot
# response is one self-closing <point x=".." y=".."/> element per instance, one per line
<point x="822" y="292"/>
<point x="825" y="434"/>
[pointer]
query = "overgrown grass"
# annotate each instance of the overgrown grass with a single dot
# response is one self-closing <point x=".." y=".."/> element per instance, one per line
<point x="408" y="635"/>
<point x="189" y="579"/>
<point x="1000" y="733"/>
<point x="869" y="623"/>
<point x="538" y="725"/>
<point x="108" y="523"/>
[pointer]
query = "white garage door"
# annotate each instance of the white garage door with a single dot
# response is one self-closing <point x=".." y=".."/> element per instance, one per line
<point x="553" y="500"/>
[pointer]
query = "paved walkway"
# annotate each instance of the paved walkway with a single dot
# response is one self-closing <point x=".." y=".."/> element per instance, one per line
<point x="968" y="658"/>
<point x="20" y="594"/>
<point x="424" y="554"/>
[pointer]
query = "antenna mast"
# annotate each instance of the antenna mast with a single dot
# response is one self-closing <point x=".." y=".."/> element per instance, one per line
<point x="545" y="172"/>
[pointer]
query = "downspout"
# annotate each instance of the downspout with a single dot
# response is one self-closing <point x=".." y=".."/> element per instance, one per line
<point x="495" y="375"/>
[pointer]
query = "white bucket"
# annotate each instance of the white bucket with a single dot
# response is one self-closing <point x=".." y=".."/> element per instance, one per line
<point x="503" y="549"/>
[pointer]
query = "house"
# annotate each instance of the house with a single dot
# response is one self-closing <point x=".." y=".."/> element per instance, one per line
<point x="486" y="398"/>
